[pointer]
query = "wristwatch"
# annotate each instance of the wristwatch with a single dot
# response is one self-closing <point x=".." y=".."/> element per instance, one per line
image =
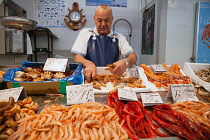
<point x="126" y="63"/>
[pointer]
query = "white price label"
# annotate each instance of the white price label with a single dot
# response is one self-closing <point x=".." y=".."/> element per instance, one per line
<point x="132" y="72"/>
<point x="78" y="94"/>
<point x="149" y="99"/>
<point x="158" y="68"/>
<point x="55" y="64"/>
<point x="124" y="94"/>
<point x="182" y="92"/>
<point x="16" y="93"/>
<point x="207" y="87"/>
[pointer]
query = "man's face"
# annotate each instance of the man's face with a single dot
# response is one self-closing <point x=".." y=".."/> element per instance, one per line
<point x="103" y="21"/>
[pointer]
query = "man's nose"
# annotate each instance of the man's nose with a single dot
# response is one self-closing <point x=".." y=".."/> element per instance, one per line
<point x="103" y="23"/>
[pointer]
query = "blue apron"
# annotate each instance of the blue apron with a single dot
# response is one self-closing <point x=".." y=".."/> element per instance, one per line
<point x="102" y="50"/>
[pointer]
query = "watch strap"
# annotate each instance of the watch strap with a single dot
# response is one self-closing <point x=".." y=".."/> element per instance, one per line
<point x="126" y="63"/>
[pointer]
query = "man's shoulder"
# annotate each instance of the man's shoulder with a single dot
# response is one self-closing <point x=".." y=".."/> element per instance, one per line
<point x="86" y="30"/>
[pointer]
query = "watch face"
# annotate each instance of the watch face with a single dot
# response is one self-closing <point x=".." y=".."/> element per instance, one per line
<point x="75" y="16"/>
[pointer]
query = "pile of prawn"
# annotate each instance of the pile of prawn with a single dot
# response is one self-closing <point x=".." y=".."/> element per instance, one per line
<point x="90" y="120"/>
<point x="171" y="76"/>
<point x="196" y="111"/>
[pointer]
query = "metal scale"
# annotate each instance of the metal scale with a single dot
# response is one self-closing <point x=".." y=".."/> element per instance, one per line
<point x="13" y="27"/>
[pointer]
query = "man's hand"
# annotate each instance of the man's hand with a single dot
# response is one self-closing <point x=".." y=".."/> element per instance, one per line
<point x="90" y="72"/>
<point x="120" y="68"/>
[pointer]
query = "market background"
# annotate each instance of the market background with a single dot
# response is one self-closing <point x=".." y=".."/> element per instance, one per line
<point x="174" y="30"/>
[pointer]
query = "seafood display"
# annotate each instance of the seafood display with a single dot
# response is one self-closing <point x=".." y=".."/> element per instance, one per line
<point x="35" y="74"/>
<point x="164" y="79"/>
<point x="135" y="119"/>
<point x="178" y="123"/>
<point x="90" y="120"/>
<point x="11" y="112"/>
<point x="102" y="79"/>
<point x="1" y="74"/>
<point x="197" y="111"/>
<point x="204" y="74"/>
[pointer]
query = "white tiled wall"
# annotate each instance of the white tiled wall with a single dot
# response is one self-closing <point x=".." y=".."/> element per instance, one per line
<point x="67" y="36"/>
<point x="174" y="28"/>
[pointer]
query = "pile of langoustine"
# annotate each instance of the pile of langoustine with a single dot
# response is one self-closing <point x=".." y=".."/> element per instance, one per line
<point x="138" y="122"/>
<point x="171" y="76"/>
<point x="86" y="121"/>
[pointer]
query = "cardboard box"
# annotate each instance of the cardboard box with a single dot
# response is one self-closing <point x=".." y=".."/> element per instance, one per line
<point x="191" y="68"/>
<point x="41" y="88"/>
<point x="46" y="87"/>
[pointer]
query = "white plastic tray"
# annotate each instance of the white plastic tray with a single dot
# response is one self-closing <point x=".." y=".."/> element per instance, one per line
<point x="109" y="85"/>
<point x="153" y="87"/>
<point x="191" y="68"/>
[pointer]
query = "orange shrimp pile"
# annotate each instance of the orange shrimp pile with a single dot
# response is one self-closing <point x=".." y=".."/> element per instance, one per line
<point x="171" y="76"/>
<point x="90" y="120"/>
<point x="197" y="111"/>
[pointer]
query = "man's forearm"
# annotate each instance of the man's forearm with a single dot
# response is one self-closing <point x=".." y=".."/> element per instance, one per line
<point x="132" y="58"/>
<point x="80" y="59"/>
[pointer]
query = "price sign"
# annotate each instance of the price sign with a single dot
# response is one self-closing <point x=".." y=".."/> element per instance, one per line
<point x="182" y="92"/>
<point x="149" y="99"/>
<point x="158" y="68"/>
<point x="55" y="64"/>
<point x="78" y="94"/>
<point x="124" y="94"/>
<point x="16" y="93"/>
<point x="132" y="72"/>
<point x="207" y="87"/>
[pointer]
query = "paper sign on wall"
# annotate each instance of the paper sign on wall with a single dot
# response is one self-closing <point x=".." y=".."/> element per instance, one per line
<point x="78" y="94"/>
<point x="55" y="64"/>
<point x="16" y="93"/>
<point x="182" y="92"/>
<point x="124" y="94"/>
<point x="149" y="99"/>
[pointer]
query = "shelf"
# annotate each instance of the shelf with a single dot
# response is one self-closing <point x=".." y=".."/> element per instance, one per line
<point x="33" y="35"/>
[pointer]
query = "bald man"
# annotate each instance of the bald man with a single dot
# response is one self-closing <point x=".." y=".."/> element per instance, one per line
<point x="99" y="46"/>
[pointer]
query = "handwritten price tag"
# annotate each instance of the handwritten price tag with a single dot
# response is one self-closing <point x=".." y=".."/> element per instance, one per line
<point x="207" y="87"/>
<point x="78" y="94"/>
<point x="158" y="68"/>
<point x="182" y="92"/>
<point x="124" y="94"/>
<point x="55" y="64"/>
<point x="16" y="93"/>
<point x="150" y="99"/>
<point x="132" y="72"/>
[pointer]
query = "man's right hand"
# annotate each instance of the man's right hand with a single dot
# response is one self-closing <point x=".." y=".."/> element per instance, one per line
<point x="90" y="72"/>
<point x="90" y="67"/>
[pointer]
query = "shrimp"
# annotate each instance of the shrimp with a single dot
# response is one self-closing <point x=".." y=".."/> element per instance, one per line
<point x="95" y="131"/>
<point x="124" y="134"/>
<point x="61" y="132"/>
<point x="89" y="122"/>
<point x="165" y="66"/>
<point x="92" y="136"/>
<point x="100" y="132"/>
<point x="106" y="132"/>
<point x="146" y="68"/>
<point x="66" y="132"/>
<point x="77" y="134"/>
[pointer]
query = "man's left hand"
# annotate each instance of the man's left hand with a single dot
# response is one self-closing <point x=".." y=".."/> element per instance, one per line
<point x="120" y="68"/>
